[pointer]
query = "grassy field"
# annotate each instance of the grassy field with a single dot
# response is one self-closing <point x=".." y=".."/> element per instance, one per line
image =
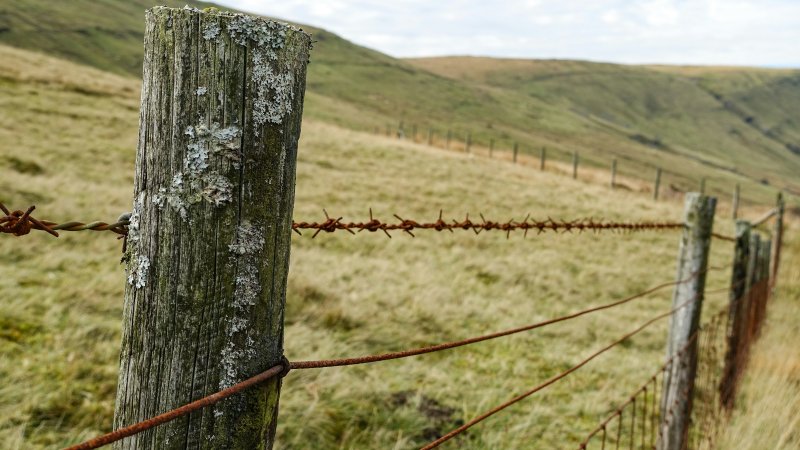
<point x="69" y="146"/>
<point x="729" y="125"/>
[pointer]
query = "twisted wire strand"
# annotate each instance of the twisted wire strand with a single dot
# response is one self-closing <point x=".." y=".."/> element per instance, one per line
<point x="485" y="415"/>
<point x="20" y="223"/>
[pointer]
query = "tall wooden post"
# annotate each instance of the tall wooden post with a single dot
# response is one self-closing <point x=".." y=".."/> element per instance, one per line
<point x="777" y="239"/>
<point x="542" y="158"/>
<point x="613" y="173"/>
<point x="575" y="164"/>
<point x="688" y="300"/>
<point x="735" y="205"/>
<point x="765" y="254"/>
<point x="516" y="150"/>
<point x="734" y="356"/>
<point x="491" y="147"/>
<point x="468" y="143"/>
<point x="657" y="183"/>
<point x="430" y="136"/>
<point x="210" y="231"/>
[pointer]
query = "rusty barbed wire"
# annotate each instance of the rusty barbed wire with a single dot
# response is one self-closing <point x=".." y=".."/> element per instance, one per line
<point x="20" y="223"/>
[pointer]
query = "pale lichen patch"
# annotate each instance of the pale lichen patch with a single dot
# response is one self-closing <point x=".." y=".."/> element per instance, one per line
<point x="137" y="275"/>
<point x="135" y="218"/>
<point x="247" y="241"/>
<point x="211" y="31"/>
<point x="201" y="91"/>
<point x="274" y="91"/>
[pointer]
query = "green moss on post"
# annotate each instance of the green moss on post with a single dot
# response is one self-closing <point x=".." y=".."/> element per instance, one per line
<point x="208" y="253"/>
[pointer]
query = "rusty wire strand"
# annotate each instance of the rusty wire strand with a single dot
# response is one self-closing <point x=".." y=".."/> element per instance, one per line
<point x="142" y="426"/>
<point x="553" y="379"/>
<point x="20" y="223"/>
<point x="317" y="364"/>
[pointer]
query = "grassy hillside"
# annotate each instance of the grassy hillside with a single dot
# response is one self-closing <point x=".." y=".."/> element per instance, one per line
<point x="737" y="127"/>
<point x="68" y="148"/>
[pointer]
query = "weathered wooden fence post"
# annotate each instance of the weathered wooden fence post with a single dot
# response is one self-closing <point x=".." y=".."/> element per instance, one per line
<point x="657" y="183"/>
<point x="468" y="143"/>
<point x="542" y="158"/>
<point x="777" y="238"/>
<point x="613" y="173"/>
<point x="516" y="150"/>
<point x="575" y="164"/>
<point x="210" y="231"/>
<point x="430" y="136"/>
<point x="735" y="203"/>
<point x="684" y="323"/>
<point x="765" y="257"/>
<point x="737" y="304"/>
<point x="401" y="133"/>
<point x="491" y="147"/>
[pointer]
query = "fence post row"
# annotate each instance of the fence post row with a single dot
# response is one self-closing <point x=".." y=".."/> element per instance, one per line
<point x="209" y="236"/>
<point x="684" y="323"/>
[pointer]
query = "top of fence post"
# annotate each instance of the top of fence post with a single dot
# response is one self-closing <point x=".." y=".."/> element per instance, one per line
<point x="210" y="231"/>
<point x="687" y="300"/>
<point x="777" y="239"/>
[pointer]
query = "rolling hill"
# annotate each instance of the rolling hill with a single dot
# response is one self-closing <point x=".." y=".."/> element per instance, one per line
<point x="728" y="125"/>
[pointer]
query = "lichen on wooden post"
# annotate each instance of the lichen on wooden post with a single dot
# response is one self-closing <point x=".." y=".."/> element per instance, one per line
<point x="209" y="235"/>
<point x="687" y="299"/>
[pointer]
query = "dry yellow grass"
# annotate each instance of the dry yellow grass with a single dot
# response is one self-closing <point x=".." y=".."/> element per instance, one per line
<point x="71" y="153"/>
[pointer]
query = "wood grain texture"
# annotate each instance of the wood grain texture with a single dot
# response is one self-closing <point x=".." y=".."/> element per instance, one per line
<point x="208" y="253"/>
<point x="692" y="265"/>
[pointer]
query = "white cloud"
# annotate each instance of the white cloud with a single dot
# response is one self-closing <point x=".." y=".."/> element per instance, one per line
<point x="734" y="32"/>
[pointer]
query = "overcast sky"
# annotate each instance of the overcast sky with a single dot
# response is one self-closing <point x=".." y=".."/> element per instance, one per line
<point x="719" y="32"/>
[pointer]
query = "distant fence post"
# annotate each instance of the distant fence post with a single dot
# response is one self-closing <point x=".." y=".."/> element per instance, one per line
<point x="575" y="164"/>
<point x="491" y="147"/>
<point x="777" y="237"/>
<point x="684" y="323"/>
<point x="400" y="131"/>
<point x="468" y="142"/>
<point x="702" y="186"/>
<point x="447" y="142"/>
<point x="516" y="150"/>
<point x="430" y="136"/>
<point x="737" y="303"/>
<point x="613" y="173"/>
<point x="657" y="183"/>
<point x="735" y="205"/>
<point x="542" y="158"/>
<point x="210" y="232"/>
